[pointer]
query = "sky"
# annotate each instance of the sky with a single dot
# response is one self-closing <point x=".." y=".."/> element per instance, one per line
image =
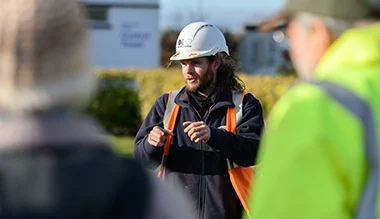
<point x="229" y="14"/>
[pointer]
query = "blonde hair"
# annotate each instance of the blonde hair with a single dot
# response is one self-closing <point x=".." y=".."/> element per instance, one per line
<point x="44" y="55"/>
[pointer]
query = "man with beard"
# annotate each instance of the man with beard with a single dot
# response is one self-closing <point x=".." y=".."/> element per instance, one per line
<point x="200" y="144"/>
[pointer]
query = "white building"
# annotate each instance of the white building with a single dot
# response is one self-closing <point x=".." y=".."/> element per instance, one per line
<point x="260" y="54"/>
<point x="124" y="33"/>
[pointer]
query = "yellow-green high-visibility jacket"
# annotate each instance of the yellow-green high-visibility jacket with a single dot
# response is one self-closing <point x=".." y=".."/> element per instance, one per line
<point x="314" y="156"/>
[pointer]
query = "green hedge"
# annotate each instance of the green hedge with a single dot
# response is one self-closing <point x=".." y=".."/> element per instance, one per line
<point x="116" y="104"/>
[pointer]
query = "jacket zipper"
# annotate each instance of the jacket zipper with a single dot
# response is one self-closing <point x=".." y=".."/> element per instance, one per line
<point x="203" y="180"/>
<point x="201" y="194"/>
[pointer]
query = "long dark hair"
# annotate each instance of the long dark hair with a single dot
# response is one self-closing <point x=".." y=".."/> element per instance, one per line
<point x="226" y="74"/>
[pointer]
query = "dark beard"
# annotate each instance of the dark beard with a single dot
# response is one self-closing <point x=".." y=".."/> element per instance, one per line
<point x="204" y="82"/>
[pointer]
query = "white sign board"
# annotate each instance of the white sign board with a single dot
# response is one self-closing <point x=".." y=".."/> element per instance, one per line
<point x="134" y="35"/>
<point x="131" y="39"/>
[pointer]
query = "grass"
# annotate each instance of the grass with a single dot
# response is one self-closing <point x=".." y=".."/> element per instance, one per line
<point x="123" y="145"/>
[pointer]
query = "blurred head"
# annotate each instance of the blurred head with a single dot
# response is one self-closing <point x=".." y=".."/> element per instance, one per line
<point x="310" y="36"/>
<point x="315" y="25"/>
<point x="44" y="56"/>
<point x="204" y="56"/>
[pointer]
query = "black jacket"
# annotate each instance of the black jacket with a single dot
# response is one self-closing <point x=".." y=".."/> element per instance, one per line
<point x="60" y="166"/>
<point x="200" y="168"/>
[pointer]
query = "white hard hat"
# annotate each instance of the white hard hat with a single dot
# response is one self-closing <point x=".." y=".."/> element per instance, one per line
<point x="199" y="39"/>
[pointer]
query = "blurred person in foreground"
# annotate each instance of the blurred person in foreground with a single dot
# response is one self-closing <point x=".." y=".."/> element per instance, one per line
<point x="320" y="156"/>
<point x="55" y="161"/>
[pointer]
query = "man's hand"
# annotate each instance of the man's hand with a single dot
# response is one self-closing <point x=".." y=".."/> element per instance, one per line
<point x="197" y="131"/>
<point x="158" y="136"/>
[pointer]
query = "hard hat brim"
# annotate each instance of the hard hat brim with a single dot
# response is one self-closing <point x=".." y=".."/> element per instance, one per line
<point x="192" y="55"/>
<point x="188" y="55"/>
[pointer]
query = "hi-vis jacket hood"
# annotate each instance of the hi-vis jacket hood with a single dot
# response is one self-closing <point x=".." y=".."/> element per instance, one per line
<point x="353" y="57"/>
<point x="314" y="163"/>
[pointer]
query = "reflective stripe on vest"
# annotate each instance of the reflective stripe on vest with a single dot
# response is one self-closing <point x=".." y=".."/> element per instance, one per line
<point x="367" y="206"/>
<point x="170" y="117"/>
<point x="238" y="112"/>
<point x="169" y="107"/>
<point x="241" y="177"/>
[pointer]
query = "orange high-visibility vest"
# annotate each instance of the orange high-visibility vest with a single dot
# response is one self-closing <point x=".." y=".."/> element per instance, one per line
<point x="241" y="177"/>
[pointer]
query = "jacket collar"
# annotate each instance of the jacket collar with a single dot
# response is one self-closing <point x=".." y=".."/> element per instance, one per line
<point x="221" y="98"/>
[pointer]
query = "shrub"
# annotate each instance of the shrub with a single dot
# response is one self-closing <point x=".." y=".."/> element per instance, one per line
<point x="116" y="104"/>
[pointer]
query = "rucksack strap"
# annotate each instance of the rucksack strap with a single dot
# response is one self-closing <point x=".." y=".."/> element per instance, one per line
<point x="169" y="107"/>
<point x="233" y="117"/>
<point x="169" y="120"/>
<point x="238" y="101"/>
<point x="241" y="177"/>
